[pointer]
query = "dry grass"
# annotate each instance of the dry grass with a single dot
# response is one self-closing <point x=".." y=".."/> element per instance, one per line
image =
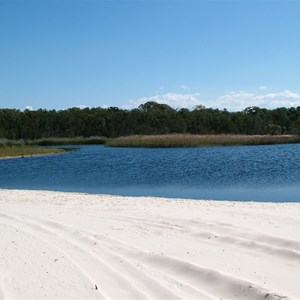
<point x="20" y="151"/>
<point x="67" y="141"/>
<point x="189" y="140"/>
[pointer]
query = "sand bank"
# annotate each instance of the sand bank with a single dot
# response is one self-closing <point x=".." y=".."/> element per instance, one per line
<point x="69" y="245"/>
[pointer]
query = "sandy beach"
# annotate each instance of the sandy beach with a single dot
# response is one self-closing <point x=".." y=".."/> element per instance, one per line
<point x="68" y="245"/>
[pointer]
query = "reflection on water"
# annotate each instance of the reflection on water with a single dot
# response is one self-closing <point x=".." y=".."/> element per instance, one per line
<point x="259" y="173"/>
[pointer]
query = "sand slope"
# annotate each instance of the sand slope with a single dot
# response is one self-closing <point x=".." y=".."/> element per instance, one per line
<point x="67" y="245"/>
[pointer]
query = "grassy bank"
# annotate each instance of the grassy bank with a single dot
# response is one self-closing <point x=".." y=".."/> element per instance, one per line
<point x="147" y="141"/>
<point x="20" y="151"/>
<point x="54" y="141"/>
<point x="67" y="141"/>
<point x="188" y="140"/>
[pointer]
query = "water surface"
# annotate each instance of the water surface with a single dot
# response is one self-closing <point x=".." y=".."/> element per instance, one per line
<point x="259" y="173"/>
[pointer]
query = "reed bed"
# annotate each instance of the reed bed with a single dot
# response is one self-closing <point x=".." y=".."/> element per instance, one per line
<point x="153" y="141"/>
<point x="20" y="151"/>
<point x="6" y="142"/>
<point x="189" y="140"/>
<point x="67" y="141"/>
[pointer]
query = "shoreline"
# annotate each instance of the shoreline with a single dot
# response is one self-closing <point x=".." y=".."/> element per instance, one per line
<point x="162" y="198"/>
<point x="29" y="155"/>
<point x="103" y="246"/>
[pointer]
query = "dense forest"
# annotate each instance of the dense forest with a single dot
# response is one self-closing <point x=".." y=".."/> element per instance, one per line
<point x="148" y="118"/>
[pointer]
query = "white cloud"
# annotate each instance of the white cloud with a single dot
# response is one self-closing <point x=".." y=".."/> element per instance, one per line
<point x="28" y="107"/>
<point x="282" y="95"/>
<point x="239" y="100"/>
<point x="172" y="99"/>
<point x="81" y="106"/>
<point x="263" y="87"/>
<point x="233" y="101"/>
<point x="185" y="87"/>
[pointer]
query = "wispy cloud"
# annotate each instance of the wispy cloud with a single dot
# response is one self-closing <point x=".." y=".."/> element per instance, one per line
<point x="185" y="87"/>
<point x="233" y="101"/>
<point x="173" y="99"/>
<point x="160" y="89"/>
<point x="239" y="100"/>
<point x="263" y="87"/>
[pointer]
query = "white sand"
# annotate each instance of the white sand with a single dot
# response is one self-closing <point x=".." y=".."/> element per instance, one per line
<point x="67" y="245"/>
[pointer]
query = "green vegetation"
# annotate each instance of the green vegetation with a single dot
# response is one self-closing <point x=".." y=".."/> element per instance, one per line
<point x="21" y="151"/>
<point x="188" y="140"/>
<point x="51" y="127"/>
<point x="148" y="141"/>
<point x="67" y="141"/>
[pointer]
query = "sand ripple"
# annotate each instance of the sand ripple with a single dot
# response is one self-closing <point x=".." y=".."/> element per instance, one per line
<point x="64" y="245"/>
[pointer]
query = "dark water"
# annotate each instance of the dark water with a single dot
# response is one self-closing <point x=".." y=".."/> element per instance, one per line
<point x="259" y="173"/>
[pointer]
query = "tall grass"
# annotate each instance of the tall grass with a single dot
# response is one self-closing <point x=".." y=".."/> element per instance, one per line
<point x="67" y="141"/>
<point x="189" y="140"/>
<point x="6" y="142"/>
<point x="161" y="141"/>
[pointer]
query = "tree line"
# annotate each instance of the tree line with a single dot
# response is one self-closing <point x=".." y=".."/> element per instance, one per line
<point x="149" y="118"/>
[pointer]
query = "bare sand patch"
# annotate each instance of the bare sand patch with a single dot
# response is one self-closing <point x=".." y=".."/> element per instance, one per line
<point x="72" y="245"/>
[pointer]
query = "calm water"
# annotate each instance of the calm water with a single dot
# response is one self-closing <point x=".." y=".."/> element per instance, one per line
<point x="260" y="173"/>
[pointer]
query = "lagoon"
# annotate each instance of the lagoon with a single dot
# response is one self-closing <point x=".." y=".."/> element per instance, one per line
<point x="255" y="173"/>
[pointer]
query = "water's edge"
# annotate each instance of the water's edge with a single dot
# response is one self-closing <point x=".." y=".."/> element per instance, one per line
<point x="254" y="173"/>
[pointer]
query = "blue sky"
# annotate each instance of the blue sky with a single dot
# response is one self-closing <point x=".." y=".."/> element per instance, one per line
<point x="233" y="54"/>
